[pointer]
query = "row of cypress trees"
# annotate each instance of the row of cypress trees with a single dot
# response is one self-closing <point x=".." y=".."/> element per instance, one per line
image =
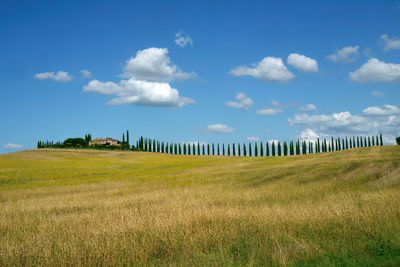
<point x="259" y="149"/>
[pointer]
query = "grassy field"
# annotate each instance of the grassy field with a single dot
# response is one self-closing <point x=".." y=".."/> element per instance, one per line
<point x="60" y="207"/>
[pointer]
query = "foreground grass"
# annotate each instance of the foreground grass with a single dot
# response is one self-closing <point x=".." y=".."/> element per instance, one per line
<point x="61" y="207"/>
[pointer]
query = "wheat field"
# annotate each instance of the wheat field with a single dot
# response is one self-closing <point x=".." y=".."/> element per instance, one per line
<point x="112" y="208"/>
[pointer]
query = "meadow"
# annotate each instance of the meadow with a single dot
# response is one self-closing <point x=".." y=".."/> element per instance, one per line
<point x="87" y="207"/>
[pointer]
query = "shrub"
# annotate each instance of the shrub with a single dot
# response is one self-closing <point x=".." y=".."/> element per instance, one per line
<point x="398" y="140"/>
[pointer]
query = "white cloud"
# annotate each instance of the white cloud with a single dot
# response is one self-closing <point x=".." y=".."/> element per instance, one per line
<point x="182" y="39"/>
<point x="244" y="102"/>
<point x="371" y="121"/>
<point x="309" y="135"/>
<point x="302" y="63"/>
<point x="377" y="93"/>
<point x="279" y="105"/>
<point x="59" y="76"/>
<point x="220" y="128"/>
<point x="153" y="64"/>
<point x="194" y="143"/>
<point x="376" y="71"/>
<point x="86" y="74"/>
<point x="308" y="107"/>
<point x="269" y="69"/>
<point x="12" y="146"/>
<point x="345" y="55"/>
<point x="139" y="92"/>
<point x="267" y="130"/>
<point x="384" y="110"/>
<point x="253" y="138"/>
<point x="269" y="111"/>
<point x="390" y="43"/>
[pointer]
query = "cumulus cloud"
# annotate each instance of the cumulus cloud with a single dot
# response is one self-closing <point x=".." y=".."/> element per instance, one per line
<point x="309" y="135"/>
<point x="182" y="39"/>
<point x="12" y="146"/>
<point x="244" y="102"/>
<point x="269" y="111"/>
<point x="372" y="121"/>
<point x="377" y="93"/>
<point x="59" y="76"/>
<point x="308" y="107"/>
<point x="219" y="128"/>
<point x="345" y="55"/>
<point x="302" y="63"/>
<point x="269" y="69"/>
<point x="390" y="43"/>
<point x="376" y="71"/>
<point x="384" y="110"/>
<point x="253" y="138"/>
<point x="153" y="64"/>
<point x="139" y="92"/>
<point x="86" y="74"/>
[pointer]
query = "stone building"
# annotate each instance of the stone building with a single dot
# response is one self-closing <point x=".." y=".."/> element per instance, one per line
<point x="104" y="141"/>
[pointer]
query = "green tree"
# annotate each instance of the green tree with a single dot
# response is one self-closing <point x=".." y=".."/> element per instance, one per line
<point x="223" y="149"/>
<point x="255" y="149"/>
<point x="229" y="150"/>
<point x="233" y="149"/>
<point x="244" y="149"/>
<point x="381" y="139"/>
<point x="398" y="140"/>
<point x="279" y="149"/>
<point x="204" y="149"/>
<point x="239" y="149"/>
<point x="261" y="149"/>
<point x="267" y="148"/>
<point x="213" y="149"/>
<point x="250" y="152"/>
<point x="273" y="149"/>
<point x="218" y="149"/>
<point x="127" y="138"/>
<point x="208" y="149"/>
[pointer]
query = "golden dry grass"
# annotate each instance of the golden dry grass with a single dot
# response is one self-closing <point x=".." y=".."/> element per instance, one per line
<point x="78" y="207"/>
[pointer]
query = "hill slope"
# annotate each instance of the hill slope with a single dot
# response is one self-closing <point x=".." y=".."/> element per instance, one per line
<point x="60" y="207"/>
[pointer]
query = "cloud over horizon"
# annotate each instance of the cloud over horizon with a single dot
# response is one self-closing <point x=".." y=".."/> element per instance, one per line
<point x="59" y="76"/>
<point x="269" y="69"/>
<point x="345" y="55"/>
<point x="376" y="71"/>
<point x="244" y="102"/>
<point x="219" y="128"/>
<point x="302" y="63"/>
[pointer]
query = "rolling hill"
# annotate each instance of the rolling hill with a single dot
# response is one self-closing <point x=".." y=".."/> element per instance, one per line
<point x="86" y="207"/>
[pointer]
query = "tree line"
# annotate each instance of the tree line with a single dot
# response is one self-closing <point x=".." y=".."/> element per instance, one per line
<point x="299" y="147"/>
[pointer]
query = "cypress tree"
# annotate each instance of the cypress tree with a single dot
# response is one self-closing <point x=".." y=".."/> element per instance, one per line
<point x="369" y="141"/>
<point x="255" y="149"/>
<point x="358" y="141"/>
<point x="250" y="152"/>
<point x="285" y="149"/>
<point x="223" y="149"/>
<point x="377" y="141"/>
<point x="239" y="149"/>
<point x="123" y="138"/>
<point x="198" y="149"/>
<point x="244" y="149"/>
<point x="347" y="143"/>
<point x="329" y="149"/>
<point x="365" y="141"/>
<point x="261" y="149"/>
<point x="267" y="148"/>
<point x="208" y="149"/>
<point x="127" y="138"/>
<point x="184" y="148"/>
<point x="273" y="149"/>
<point x="193" y="149"/>
<point x="204" y="149"/>
<point x="373" y="141"/>
<point x="218" y="149"/>
<point x="233" y="149"/>
<point x="213" y="150"/>
<point x="229" y="150"/>
<point x="279" y="149"/>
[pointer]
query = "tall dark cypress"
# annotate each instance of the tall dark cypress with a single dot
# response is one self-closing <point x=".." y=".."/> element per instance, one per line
<point x="347" y="143"/>
<point x="365" y="141"/>
<point x="239" y="149"/>
<point x="244" y="150"/>
<point x="373" y="141"/>
<point x="369" y="141"/>
<point x="208" y="149"/>
<point x="377" y="141"/>
<point x="273" y="148"/>
<point x="193" y="149"/>
<point x="267" y="148"/>
<point x="198" y="149"/>
<point x="233" y="149"/>
<point x="279" y="149"/>
<point x="213" y="149"/>
<point x="184" y="148"/>
<point x="255" y="149"/>
<point x="223" y="149"/>
<point x="285" y="149"/>
<point x="229" y="150"/>
<point x="358" y="141"/>
<point x="250" y="154"/>
<point x="218" y="149"/>
<point x="261" y="149"/>
<point x="127" y="138"/>
<point x="204" y="149"/>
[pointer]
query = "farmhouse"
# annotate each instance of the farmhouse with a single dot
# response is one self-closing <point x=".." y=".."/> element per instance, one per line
<point x="104" y="141"/>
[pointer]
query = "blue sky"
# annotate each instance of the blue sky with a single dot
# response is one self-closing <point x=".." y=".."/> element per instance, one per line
<point x="178" y="71"/>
